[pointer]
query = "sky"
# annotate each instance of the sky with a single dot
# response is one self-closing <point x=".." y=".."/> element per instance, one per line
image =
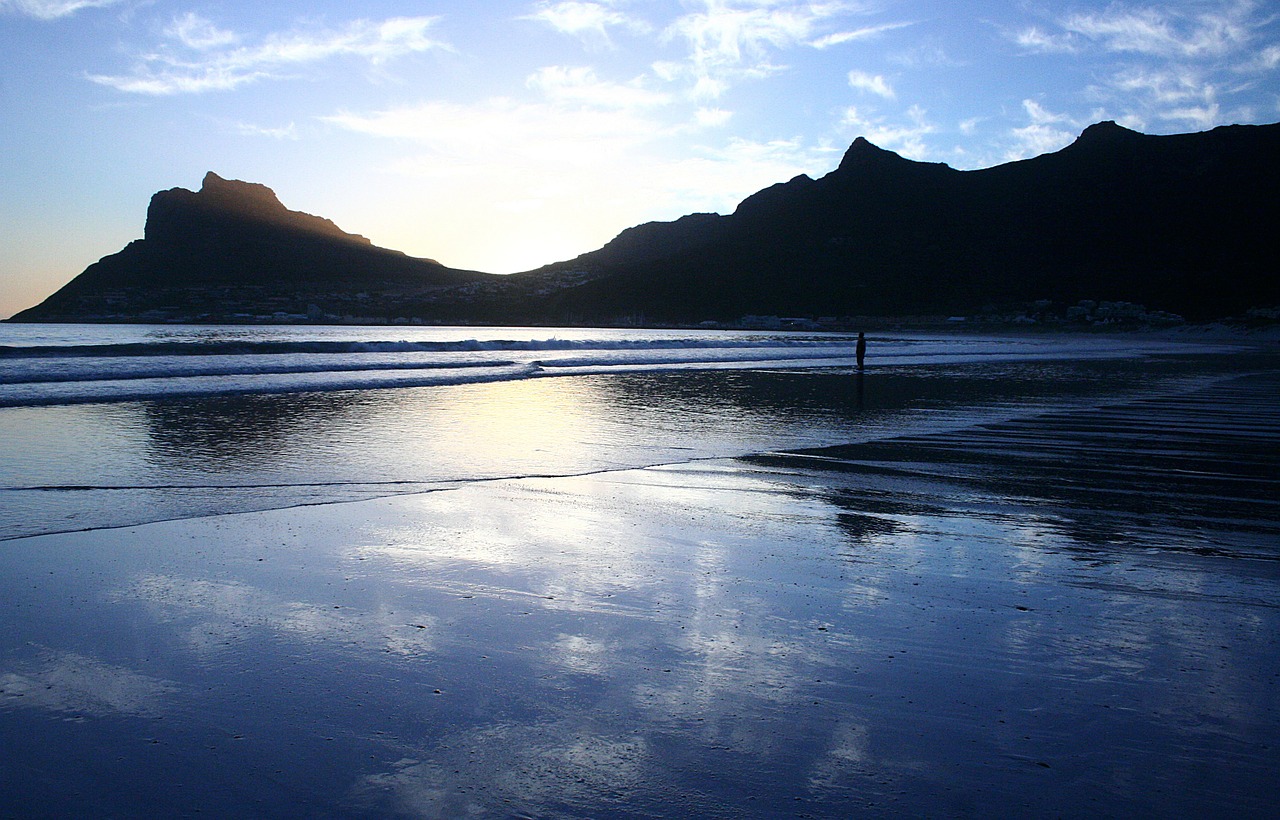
<point x="500" y="136"/>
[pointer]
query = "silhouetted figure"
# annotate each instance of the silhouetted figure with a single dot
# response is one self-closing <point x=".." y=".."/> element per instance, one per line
<point x="862" y="348"/>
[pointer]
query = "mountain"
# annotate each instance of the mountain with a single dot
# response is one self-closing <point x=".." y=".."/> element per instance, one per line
<point x="232" y="249"/>
<point x="1180" y="223"/>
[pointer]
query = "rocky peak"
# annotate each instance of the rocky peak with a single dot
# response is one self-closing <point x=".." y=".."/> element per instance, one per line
<point x="220" y="203"/>
<point x="1104" y="134"/>
<point x="244" y="197"/>
<point x="863" y="154"/>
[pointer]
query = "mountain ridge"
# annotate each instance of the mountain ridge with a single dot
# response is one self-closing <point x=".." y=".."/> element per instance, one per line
<point x="1180" y="223"/>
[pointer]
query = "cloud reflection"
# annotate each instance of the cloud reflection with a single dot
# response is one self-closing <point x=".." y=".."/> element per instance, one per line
<point x="74" y="684"/>
<point x="517" y="770"/>
<point x="223" y="613"/>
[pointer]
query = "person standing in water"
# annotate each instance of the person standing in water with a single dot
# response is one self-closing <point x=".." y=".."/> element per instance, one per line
<point x="862" y="348"/>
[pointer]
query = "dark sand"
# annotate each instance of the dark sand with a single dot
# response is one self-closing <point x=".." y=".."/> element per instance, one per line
<point x="1074" y="614"/>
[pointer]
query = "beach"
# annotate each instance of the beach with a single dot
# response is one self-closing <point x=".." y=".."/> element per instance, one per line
<point x="959" y="584"/>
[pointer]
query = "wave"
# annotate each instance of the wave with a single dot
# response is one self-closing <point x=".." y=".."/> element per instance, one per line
<point x="108" y="366"/>
<point x="237" y="367"/>
<point x="284" y="347"/>
<point x="139" y="369"/>
<point x="115" y="390"/>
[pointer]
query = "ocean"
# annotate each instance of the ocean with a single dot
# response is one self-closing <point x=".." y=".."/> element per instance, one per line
<point x="583" y="573"/>
<point x="109" y="425"/>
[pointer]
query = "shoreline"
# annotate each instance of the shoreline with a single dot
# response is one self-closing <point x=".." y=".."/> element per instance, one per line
<point x="1233" y="326"/>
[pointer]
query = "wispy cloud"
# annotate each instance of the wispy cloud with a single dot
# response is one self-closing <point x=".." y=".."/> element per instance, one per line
<point x="853" y="35"/>
<point x="874" y="84"/>
<point x="1172" y="86"/>
<point x="927" y="54"/>
<point x="1170" y="91"/>
<point x="200" y="57"/>
<point x="1177" y="62"/>
<point x="52" y="9"/>
<point x="1036" y="39"/>
<point x="730" y="40"/>
<point x="1212" y="30"/>
<point x="1179" y="94"/>
<point x="589" y="22"/>
<point x="199" y="34"/>
<point x="1266" y="60"/>
<point x="1165" y="32"/>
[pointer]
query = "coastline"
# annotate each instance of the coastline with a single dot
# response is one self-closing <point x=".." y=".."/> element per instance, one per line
<point x="1062" y="613"/>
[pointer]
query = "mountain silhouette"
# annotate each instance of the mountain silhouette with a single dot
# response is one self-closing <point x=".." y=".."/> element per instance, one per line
<point x="1180" y="223"/>
<point x="231" y="249"/>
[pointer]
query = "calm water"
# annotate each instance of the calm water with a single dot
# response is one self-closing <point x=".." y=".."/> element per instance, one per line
<point x="1017" y="577"/>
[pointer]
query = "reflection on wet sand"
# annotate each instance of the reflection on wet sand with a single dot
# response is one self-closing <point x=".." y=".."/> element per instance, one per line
<point x="1002" y="621"/>
<point x="79" y="687"/>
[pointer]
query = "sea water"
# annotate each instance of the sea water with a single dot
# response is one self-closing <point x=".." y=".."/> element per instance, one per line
<point x="1020" y="576"/>
<point x="66" y="364"/>
<point x="112" y="425"/>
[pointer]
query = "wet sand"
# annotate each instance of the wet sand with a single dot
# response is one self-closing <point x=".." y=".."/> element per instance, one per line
<point x="1070" y="614"/>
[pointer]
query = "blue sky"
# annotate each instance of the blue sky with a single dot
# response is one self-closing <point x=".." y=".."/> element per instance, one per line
<point x="503" y="135"/>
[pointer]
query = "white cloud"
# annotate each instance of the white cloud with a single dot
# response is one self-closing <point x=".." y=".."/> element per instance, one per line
<point x="731" y="40"/>
<point x="287" y="132"/>
<point x="712" y="117"/>
<point x="52" y="9"/>
<point x="205" y="61"/>
<point x="1165" y="32"/>
<point x="1037" y="40"/>
<point x="196" y="32"/>
<point x="590" y="22"/>
<point x="1173" y="86"/>
<point x="865" y="33"/>
<point x="581" y="86"/>
<point x="1173" y="93"/>
<point x="723" y="35"/>
<point x="1202" y="116"/>
<point x="1042" y="134"/>
<point x="1185" y="62"/>
<point x="875" y="84"/>
<point x="1266" y="60"/>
